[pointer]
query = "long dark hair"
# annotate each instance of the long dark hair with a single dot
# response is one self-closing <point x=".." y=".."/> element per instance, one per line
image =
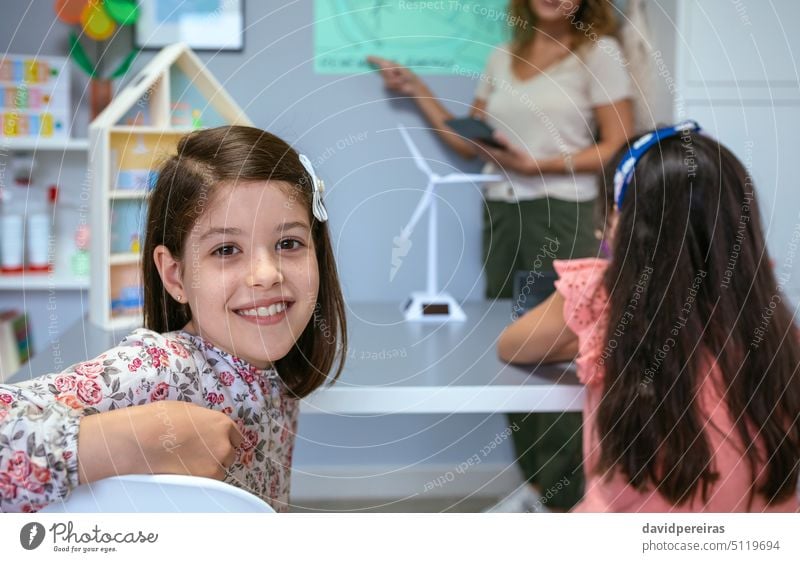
<point x="689" y="242"/>
<point x="185" y="188"/>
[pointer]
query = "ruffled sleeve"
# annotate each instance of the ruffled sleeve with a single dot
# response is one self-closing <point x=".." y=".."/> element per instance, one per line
<point x="580" y="282"/>
<point x="38" y="453"/>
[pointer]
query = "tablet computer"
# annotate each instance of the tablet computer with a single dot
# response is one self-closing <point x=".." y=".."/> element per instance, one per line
<point x="475" y="129"/>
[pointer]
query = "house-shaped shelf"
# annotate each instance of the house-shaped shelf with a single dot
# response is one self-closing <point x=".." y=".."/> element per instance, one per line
<point x="173" y="95"/>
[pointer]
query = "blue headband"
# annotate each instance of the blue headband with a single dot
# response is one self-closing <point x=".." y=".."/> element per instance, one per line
<point x="624" y="173"/>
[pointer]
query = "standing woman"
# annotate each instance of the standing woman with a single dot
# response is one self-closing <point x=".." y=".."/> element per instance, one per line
<point x="558" y="96"/>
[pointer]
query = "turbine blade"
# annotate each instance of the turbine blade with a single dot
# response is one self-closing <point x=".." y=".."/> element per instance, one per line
<point x="469" y="178"/>
<point x="412" y="148"/>
<point x="399" y="250"/>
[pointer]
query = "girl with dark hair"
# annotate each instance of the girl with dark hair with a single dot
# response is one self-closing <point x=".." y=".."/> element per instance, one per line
<point x="238" y="274"/>
<point x="688" y="353"/>
<point x="558" y="96"/>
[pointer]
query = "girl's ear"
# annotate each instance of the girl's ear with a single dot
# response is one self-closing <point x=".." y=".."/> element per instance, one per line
<point x="170" y="271"/>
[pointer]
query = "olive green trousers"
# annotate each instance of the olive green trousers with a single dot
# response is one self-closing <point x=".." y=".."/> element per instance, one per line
<point x="527" y="236"/>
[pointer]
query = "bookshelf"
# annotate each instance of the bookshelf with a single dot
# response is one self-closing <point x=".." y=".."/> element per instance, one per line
<point x="63" y="162"/>
<point x="173" y="95"/>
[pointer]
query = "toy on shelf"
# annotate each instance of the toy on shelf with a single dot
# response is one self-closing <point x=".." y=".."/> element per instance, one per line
<point x="136" y="179"/>
<point x="98" y="20"/>
<point x="197" y="121"/>
<point x="25" y="223"/>
<point x="40" y="223"/>
<point x="129" y="302"/>
<point x="127" y="225"/>
<point x="12" y="248"/>
<point x="34" y="93"/>
<point x="141" y="147"/>
<point x="181" y="115"/>
<point x="80" y="259"/>
<point x="15" y="342"/>
<point x="13" y="215"/>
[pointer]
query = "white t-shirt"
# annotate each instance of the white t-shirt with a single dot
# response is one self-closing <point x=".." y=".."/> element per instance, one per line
<point x="551" y="114"/>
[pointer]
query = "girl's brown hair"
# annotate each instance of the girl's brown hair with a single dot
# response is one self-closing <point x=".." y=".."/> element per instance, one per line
<point x="588" y="18"/>
<point x="186" y="187"/>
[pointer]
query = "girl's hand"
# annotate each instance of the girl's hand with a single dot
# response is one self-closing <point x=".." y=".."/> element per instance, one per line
<point x="510" y="158"/>
<point x="396" y="77"/>
<point x="166" y="437"/>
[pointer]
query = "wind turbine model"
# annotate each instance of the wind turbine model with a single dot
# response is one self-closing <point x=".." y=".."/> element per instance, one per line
<point x="431" y="304"/>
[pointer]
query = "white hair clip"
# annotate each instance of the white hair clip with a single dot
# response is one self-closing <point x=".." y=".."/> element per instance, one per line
<point x="318" y="186"/>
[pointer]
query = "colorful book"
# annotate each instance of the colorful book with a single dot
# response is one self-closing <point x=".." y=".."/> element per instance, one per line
<point x="15" y="348"/>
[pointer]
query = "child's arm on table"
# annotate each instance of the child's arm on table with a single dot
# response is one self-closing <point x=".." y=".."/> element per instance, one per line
<point x="46" y="452"/>
<point x="540" y="335"/>
<point x="166" y="437"/>
<point x="42" y="457"/>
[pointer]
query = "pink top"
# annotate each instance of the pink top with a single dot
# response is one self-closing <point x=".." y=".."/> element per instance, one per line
<point x="585" y="310"/>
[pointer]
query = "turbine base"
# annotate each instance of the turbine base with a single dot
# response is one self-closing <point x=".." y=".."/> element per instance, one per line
<point x="427" y="307"/>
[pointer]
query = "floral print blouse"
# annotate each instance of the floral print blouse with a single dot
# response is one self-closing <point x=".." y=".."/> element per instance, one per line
<point x="39" y="418"/>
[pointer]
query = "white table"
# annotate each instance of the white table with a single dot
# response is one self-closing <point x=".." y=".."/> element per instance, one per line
<point x="394" y="367"/>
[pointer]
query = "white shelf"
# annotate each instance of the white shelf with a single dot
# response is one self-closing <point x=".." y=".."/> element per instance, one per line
<point x="124" y="259"/>
<point x="42" y="282"/>
<point x="128" y="194"/>
<point x="60" y="278"/>
<point x="150" y="130"/>
<point x="37" y="144"/>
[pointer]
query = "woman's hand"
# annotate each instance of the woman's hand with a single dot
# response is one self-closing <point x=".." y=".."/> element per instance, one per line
<point x="510" y="158"/>
<point x="399" y="79"/>
<point x="166" y="437"/>
<point x="396" y="77"/>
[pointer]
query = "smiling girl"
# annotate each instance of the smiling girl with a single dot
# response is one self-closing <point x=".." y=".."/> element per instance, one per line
<point x="237" y="261"/>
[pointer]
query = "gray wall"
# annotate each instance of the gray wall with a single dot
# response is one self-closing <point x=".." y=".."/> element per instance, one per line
<point x="346" y="120"/>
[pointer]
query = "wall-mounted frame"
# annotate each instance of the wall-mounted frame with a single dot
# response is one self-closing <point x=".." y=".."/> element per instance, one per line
<point x="204" y="25"/>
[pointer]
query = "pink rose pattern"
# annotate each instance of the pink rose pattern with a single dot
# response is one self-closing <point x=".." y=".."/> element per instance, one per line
<point x="37" y="465"/>
<point x="90" y="369"/>
<point x="89" y="392"/>
<point x="160" y="392"/>
<point x="39" y="418"/>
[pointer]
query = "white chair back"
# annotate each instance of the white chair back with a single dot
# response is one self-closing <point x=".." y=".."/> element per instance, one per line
<point x="159" y="493"/>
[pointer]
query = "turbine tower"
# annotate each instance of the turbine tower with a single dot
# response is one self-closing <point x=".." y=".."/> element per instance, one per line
<point x="430" y="304"/>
